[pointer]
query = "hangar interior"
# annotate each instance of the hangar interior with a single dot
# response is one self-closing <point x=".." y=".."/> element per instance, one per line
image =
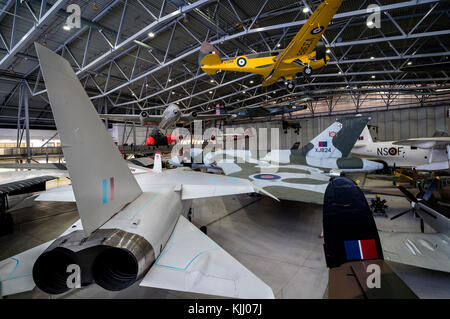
<point x="385" y="60"/>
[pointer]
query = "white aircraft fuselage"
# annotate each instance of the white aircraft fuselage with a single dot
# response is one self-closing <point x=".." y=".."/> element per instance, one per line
<point x="398" y="155"/>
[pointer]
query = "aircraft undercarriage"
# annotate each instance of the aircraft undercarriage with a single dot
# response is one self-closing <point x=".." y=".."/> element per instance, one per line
<point x="306" y="72"/>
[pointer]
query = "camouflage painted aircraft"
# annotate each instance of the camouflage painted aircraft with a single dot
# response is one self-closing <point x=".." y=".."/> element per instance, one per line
<point x="303" y="54"/>
<point x="261" y="111"/>
<point x="299" y="174"/>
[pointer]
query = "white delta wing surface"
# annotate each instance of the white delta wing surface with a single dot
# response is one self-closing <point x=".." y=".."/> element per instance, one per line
<point x="193" y="262"/>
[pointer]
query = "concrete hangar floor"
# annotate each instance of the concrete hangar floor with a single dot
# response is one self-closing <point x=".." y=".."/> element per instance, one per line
<point x="278" y="242"/>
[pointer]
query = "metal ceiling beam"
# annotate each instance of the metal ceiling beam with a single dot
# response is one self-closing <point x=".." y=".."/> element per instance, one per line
<point x="142" y="33"/>
<point x="35" y="30"/>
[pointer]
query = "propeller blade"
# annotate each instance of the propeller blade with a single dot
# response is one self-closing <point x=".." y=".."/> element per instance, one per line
<point x="407" y="193"/>
<point x="422" y="226"/>
<point x="401" y="214"/>
<point x="431" y="189"/>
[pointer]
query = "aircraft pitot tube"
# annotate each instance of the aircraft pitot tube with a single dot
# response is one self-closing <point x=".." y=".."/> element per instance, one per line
<point x="112" y="258"/>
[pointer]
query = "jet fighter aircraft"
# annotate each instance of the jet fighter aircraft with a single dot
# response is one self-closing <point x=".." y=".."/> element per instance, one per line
<point x="131" y="227"/>
<point x="302" y="55"/>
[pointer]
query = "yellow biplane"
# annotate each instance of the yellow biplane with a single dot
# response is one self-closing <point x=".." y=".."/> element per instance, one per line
<point x="303" y="54"/>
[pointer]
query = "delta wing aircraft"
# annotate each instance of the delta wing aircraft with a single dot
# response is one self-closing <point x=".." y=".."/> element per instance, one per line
<point x="171" y="116"/>
<point x="131" y="227"/>
<point x="299" y="174"/>
<point x="427" y="153"/>
<point x="302" y="55"/>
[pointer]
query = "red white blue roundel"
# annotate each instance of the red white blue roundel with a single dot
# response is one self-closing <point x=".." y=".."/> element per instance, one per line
<point x="267" y="177"/>
<point x="241" y="62"/>
<point x="317" y="30"/>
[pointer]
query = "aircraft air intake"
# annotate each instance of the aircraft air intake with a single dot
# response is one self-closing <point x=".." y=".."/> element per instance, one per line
<point x="112" y="258"/>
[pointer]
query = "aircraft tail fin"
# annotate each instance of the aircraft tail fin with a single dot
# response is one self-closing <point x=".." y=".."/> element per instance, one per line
<point x="295" y="146"/>
<point x="220" y="110"/>
<point x="102" y="181"/>
<point x="365" y="136"/>
<point x="208" y="57"/>
<point x="337" y="140"/>
<point x="349" y="230"/>
<point x="157" y="165"/>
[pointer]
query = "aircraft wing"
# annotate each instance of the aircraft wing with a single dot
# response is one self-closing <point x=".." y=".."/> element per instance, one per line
<point x="306" y="39"/>
<point x="133" y="118"/>
<point x="431" y="251"/>
<point x="257" y="111"/>
<point x="425" y="142"/>
<point x="16" y="272"/>
<point x="187" y="118"/>
<point x="121" y="117"/>
<point x="289" y="182"/>
<point x="191" y="185"/>
<point x="193" y="262"/>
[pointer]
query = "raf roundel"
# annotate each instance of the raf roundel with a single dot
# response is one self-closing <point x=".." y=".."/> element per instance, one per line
<point x="317" y="30"/>
<point x="392" y="151"/>
<point x="267" y="177"/>
<point x="241" y="62"/>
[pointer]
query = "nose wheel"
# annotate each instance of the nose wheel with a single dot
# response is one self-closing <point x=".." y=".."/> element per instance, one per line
<point x="307" y="71"/>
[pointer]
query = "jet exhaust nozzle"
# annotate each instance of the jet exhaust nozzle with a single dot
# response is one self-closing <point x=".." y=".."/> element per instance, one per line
<point x="50" y="270"/>
<point x="126" y="259"/>
<point x="112" y="258"/>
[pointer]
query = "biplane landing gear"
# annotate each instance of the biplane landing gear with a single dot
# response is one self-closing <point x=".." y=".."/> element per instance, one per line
<point x="307" y="71"/>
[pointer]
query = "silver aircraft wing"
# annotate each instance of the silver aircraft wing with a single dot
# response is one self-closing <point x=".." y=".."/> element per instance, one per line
<point x="430" y="251"/>
<point x="192" y="185"/>
<point x="133" y="118"/>
<point x="425" y="142"/>
<point x="193" y="262"/>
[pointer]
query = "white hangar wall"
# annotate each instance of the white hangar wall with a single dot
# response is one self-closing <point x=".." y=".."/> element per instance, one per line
<point x="392" y="125"/>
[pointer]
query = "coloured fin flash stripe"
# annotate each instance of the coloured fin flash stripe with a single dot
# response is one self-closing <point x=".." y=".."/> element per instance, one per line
<point x="360" y="249"/>
<point x="105" y="189"/>
<point x="323" y="144"/>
